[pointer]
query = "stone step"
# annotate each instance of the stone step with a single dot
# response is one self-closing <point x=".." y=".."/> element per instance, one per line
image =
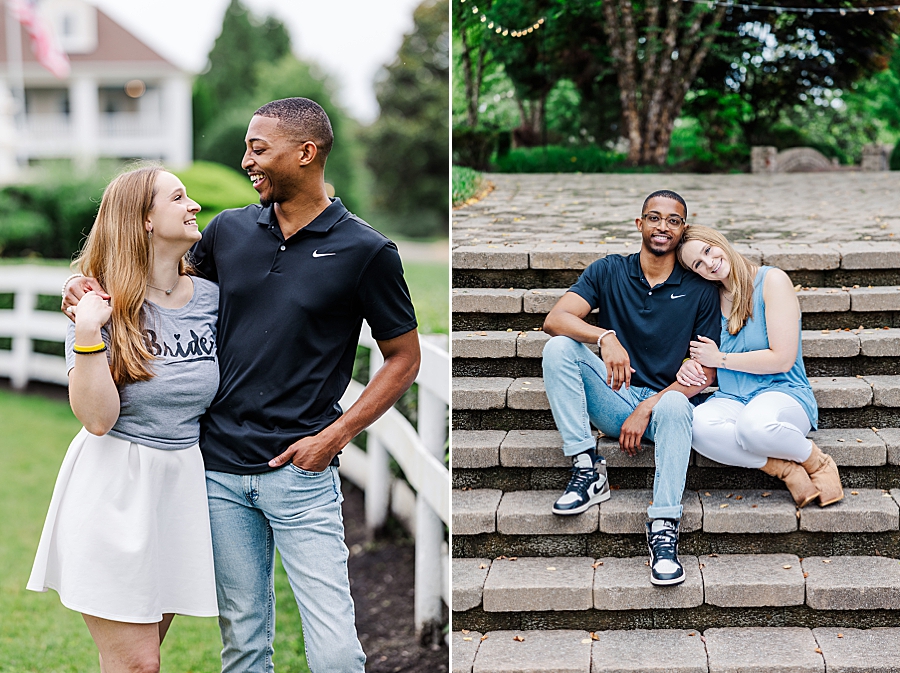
<point x="687" y="650"/>
<point x="789" y="256"/>
<point x="812" y="300"/>
<point x="527" y="393"/>
<point x="579" y="589"/>
<point x="828" y="344"/>
<point x="712" y="511"/>
<point x="517" y="354"/>
<point x="479" y="449"/>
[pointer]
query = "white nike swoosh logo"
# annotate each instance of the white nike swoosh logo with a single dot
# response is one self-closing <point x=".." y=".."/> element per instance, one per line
<point x="677" y="296"/>
<point x="324" y="254"/>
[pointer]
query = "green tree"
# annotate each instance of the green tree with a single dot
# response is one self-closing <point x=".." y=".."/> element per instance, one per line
<point x="408" y="143"/>
<point x="232" y="73"/>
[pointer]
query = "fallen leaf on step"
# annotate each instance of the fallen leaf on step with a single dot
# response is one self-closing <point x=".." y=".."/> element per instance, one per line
<point x="594" y="636"/>
<point x="840" y="635"/>
<point x="550" y="568"/>
<point x="854" y="492"/>
<point x="597" y="564"/>
<point x="766" y="494"/>
<point x="467" y="638"/>
<point x="466" y="632"/>
<point x="825" y="560"/>
<point x="723" y="506"/>
<point x="585" y="641"/>
<point x="519" y="639"/>
<point x="484" y="637"/>
<point x="787" y="567"/>
<point x="805" y="575"/>
<point x="819" y="651"/>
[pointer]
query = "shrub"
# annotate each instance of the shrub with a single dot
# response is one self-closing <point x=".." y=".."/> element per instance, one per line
<point x="466" y="184"/>
<point x="895" y="158"/>
<point x="557" y="159"/>
<point x="473" y="147"/>
<point x="50" y="218"/>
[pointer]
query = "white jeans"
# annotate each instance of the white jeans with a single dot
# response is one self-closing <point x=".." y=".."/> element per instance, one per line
<point x="772" y="425"/>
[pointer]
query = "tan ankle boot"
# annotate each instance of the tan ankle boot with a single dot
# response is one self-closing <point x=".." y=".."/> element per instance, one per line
<point x="823" y="473"/>
<point x="794" y="477"/>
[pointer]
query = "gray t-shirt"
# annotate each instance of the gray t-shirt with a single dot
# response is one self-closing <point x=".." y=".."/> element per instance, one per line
<point x="164" y="412"/>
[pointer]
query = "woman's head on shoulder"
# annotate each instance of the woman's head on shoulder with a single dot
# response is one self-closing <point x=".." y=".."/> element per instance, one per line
<point x="710" y="255"/>
<point x="707" y="253"/>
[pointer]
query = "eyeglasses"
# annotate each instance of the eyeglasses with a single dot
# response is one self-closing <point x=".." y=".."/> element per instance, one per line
<point x="672" y="221"/>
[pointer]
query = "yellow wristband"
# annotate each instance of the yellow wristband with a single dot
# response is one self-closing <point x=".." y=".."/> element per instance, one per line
<point x="685" y="360"/>
<point x="90" y="350"/>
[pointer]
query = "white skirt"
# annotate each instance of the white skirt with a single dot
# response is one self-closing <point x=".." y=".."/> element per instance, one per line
<point x="127" y="534"/>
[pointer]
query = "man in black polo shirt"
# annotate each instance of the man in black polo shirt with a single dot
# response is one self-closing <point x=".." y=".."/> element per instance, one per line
<point x="649" y="308"/>
<point x="297" y="275"/>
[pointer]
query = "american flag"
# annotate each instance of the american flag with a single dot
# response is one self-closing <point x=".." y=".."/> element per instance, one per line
<point x="43" y="44"/>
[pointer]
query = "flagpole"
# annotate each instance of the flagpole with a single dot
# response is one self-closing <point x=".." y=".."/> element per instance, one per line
<point x="15" y="72"/>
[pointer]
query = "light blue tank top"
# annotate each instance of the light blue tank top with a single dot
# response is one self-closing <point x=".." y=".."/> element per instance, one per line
<point x="742" y="386"/>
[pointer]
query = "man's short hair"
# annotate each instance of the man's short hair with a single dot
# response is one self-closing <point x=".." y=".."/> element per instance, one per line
<point x="666" y="194"/>
<point x="302" y="120"/>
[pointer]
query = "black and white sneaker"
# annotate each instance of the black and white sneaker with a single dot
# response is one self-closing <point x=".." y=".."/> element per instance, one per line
<point x="588" y="485"/>
<point x="662" y="540"/>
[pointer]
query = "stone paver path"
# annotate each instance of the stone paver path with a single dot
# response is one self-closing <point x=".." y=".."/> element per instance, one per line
<point x="600" y="208"/>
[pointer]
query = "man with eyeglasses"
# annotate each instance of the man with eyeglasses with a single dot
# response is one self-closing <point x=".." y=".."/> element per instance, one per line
<point x="649" y="309"/>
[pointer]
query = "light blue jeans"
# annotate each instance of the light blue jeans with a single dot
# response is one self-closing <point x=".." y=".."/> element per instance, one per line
<point x="575" y="381"/>
<point x="298" y="512"/>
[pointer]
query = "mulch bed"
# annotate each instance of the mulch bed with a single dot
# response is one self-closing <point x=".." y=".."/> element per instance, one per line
<point x="382" y="577"/>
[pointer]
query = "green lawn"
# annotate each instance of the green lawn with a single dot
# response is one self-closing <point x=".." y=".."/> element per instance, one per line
<point x="37" y="634"/>
<point x="429" y="285"/>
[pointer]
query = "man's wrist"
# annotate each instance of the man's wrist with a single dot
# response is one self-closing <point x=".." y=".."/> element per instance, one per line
<point x="69" y="280"/>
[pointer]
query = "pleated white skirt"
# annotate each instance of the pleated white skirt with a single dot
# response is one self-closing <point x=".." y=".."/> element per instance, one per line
<point x="127" y="534"/>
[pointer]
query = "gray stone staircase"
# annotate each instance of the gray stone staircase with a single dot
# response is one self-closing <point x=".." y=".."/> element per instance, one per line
<point x="767" y="584"/>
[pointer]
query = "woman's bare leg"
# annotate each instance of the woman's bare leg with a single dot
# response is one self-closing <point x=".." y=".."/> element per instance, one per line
<point x="125" y="647"/>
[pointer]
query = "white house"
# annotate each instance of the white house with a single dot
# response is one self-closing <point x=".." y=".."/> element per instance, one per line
<point x="121" y="100"/>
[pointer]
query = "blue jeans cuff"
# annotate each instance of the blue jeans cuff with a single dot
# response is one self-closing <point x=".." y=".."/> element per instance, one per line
<point x="580" y="447"/>
<point x="672" y="512"/>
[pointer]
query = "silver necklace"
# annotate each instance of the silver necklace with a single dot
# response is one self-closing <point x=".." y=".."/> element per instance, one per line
<point x="169" y="291"/>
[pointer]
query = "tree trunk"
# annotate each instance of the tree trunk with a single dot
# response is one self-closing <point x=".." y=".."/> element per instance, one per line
<point x="654" y="79"/>
<point x="472" y="74"/>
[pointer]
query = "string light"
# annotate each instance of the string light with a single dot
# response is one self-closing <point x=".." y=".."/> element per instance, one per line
<point x="506" y="31"/>
<point x="808" y="11"/>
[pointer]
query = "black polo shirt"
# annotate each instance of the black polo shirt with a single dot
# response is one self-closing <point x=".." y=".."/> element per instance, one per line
<point x="655" y="325"/>
<point x="290" y="313"/>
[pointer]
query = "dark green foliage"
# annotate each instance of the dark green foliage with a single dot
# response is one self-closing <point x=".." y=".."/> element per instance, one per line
<point x="895" y="158"/>
<point x="767" y="72"/>
<point x="250" y="65"/>
<point x="50" y="218"/>
<point x="555" y="159"/>
<point x="408" y="143"/>
<point x="232" y="74"/>
<point x="474" y="147"/>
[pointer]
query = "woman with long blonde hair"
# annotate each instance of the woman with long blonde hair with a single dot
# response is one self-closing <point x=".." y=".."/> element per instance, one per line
<point x="127" y="540"/>
<point x="764" y="407"/>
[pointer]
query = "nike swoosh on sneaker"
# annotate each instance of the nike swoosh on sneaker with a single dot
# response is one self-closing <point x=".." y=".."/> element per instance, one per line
<point x="677" y="296"/>
<point x="316" y="253"/>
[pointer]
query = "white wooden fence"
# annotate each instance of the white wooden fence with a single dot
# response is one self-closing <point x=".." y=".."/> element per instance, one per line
<point x="423" y="504"/>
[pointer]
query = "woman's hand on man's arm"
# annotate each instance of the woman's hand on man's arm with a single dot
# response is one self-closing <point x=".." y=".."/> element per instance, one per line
<point x="75" y="289"/>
